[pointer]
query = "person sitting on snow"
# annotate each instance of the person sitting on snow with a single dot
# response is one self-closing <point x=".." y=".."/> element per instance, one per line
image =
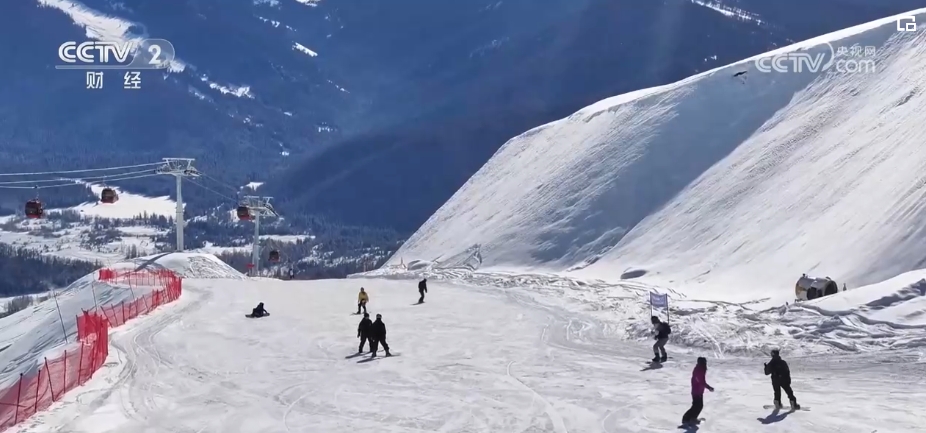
<point x="259" y="311"/>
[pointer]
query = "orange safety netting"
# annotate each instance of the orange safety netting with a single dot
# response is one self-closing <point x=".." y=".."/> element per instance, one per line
<point x="36" y="391"/>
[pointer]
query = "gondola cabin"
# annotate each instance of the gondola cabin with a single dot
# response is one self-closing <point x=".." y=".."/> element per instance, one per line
<point x="274" y="256"/>
<point x="244" y="214"/>
<point x="34" y="209"/>
<point x="109" y="196"/>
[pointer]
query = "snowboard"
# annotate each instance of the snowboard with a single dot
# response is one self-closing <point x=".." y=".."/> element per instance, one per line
<point x="378" y="357"/>
<point x="249" y="316"/>
<point x="771" y="406"/>
<point x="696" y="423"/>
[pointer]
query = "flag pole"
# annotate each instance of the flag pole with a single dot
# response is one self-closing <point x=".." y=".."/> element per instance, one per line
<point x="668" y="319"/>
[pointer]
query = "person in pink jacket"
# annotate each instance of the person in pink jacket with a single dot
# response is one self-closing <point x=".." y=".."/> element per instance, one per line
<point x="698" y="385"/>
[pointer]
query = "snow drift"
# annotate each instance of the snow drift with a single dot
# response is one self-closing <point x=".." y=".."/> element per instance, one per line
<point x="727" y="185"/>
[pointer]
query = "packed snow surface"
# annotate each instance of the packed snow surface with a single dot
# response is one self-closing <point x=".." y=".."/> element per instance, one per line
<point x="718" y="187"/>
<point x="470" y="359"/>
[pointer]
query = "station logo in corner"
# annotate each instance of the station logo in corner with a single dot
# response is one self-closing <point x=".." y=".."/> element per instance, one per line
<point x="132" y="56"/>
<point x="823" y="58"/>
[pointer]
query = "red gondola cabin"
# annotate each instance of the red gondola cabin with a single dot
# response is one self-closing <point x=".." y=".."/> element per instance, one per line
<point x="274" y="256"/>
<point x="34" y="209"/>
<point x="109" y="196"/>
<point x="244" y="213"/>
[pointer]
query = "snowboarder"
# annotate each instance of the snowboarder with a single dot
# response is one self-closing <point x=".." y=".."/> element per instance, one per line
<point x="781" y="378"/>
<point x="698" y="385"/>
<point x="363" y="332"/>
<point x="378" y="336"/>
<point x="362" y="299"/>
<point x="292" y="273"/>
<point x="422" y="289"/>
<point x="259" y="311"/>
<point x="662" y="337"/>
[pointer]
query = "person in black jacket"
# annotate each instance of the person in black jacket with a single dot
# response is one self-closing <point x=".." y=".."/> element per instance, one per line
<point x="781" y="378"/>
<point x="259" y="311"/>
<point x="662" y="337"/>
<point x="378" y="336"/>
<point x="422" y="289"/>
<point x="363" y="332"/>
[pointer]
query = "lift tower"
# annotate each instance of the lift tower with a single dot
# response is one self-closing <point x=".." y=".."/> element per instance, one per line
<point x="179" y="168"/>
<point x="258" y="207"/>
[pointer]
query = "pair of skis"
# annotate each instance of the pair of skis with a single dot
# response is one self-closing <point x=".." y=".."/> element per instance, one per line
<point x="791" y="409"/>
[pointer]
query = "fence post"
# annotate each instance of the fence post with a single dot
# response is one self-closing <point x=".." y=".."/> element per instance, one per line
<point x="35" y="406"/>
<point x="80" y="364"/>
<point x="51" y="388"/>
<point x="19" y="394"/>
<point x="123" y="311"/>
<point x="65" y="385"/>
<point x="145" y="300"/>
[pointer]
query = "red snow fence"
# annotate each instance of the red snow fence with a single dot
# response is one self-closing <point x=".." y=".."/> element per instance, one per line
<point x="35" y="392"/>
<point x="119" y="314"/>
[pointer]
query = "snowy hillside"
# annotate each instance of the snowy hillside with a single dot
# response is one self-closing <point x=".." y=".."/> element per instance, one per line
<point x="198" y="365"/>
<point x="36" y="332"/>
<point x="725" y="186"/>
<point x="129" y="205"/>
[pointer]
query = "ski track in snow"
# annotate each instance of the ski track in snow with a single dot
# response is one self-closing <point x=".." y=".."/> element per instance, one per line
<point x="484" y="359"/>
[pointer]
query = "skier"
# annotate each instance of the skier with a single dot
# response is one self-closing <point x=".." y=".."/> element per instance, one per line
<point x="259" y="311"/>
<point x="378" y="336"/>
<point x="362" y="300"/>
<point x="698" y="384"/>
<point x="781" y="378"/>
<point x="422" y="289"/>
<point x="662" y="337"/>
<point x="363" y="331"/>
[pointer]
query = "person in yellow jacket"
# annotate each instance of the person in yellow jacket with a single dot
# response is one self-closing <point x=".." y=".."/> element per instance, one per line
<point x="362" y="300"/>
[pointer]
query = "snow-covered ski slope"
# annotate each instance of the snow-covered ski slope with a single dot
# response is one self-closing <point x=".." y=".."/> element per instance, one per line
<point x="470" y="360"/>
<point x="721" y="187"/>
<point x="28" y="336"/>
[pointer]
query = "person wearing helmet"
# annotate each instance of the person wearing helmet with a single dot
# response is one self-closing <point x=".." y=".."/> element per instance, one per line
<point x="362" y="299"/>
<point x="698" y="385"/>
<point x="378" y="336"/>
<point x="363" y="332"/>
<point x="662" y="331"/>
<point x="778" y="369"/>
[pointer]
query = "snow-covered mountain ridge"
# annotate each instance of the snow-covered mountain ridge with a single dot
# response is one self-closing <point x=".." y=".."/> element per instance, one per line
<point x="726" y="185"/>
